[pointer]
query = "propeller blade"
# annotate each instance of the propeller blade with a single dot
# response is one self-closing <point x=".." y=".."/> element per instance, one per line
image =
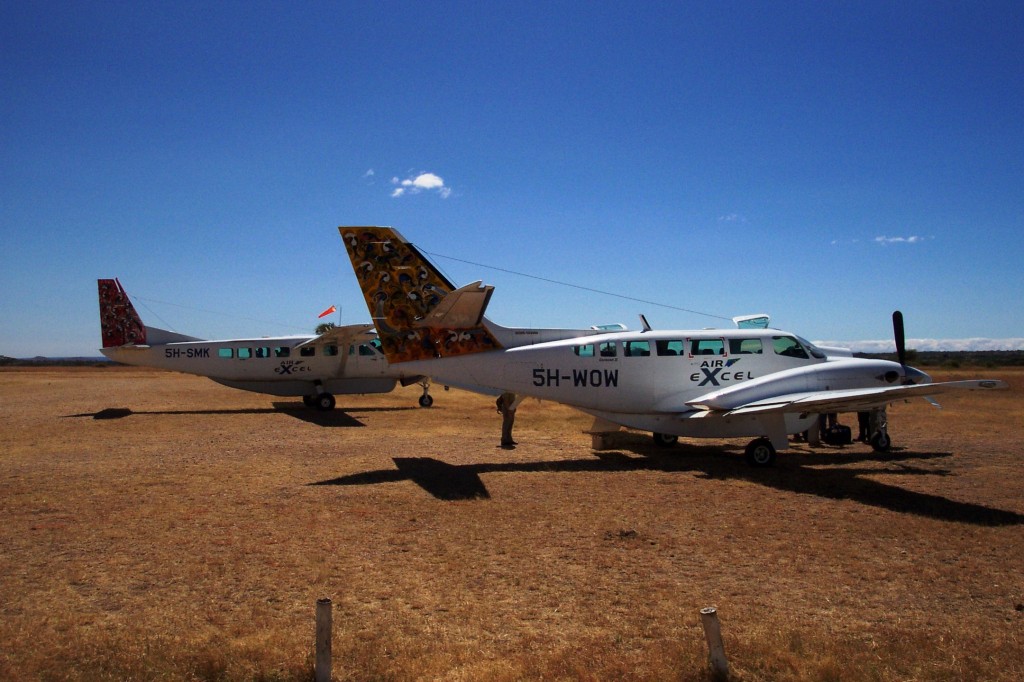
<point x="901" y="341"/>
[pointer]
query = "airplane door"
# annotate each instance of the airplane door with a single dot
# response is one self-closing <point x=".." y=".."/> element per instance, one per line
<point x="364" y="360"/>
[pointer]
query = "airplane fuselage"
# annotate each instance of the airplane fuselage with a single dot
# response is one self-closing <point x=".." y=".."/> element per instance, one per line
<point x="285" y="366"/>
<point x="645" y="379"/>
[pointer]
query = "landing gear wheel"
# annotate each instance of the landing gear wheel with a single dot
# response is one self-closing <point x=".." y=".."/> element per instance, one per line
<point x="881" y="442"/>
<point x="760" y="453"/>
<point x="309" y="400"/>
<point x="324" y="402"/>
<point x="665" y="440"/>
<point x="425" y="399"/>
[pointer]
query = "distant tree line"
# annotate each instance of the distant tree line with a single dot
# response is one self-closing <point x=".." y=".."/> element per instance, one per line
<point x="54" y="362"/>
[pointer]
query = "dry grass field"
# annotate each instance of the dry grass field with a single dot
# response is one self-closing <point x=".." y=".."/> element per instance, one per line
<point x="157" y="526"/>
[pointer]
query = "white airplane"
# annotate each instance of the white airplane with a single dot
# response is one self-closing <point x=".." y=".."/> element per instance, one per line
<point x="709" y="383"/>
<point x="343" y="360"/>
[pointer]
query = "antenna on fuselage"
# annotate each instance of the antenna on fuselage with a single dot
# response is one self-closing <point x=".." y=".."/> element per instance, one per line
<point x="645" y="323"/>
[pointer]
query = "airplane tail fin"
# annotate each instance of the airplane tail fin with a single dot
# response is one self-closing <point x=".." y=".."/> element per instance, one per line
<point x="418" y="313"/>
<point x="120" y="325"/>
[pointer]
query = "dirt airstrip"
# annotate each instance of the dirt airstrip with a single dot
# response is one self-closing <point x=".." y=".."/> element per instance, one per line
<point x="158" y="526"/>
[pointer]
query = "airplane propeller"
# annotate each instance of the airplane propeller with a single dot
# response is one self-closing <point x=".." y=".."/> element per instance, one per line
<point x="901" y="343"/>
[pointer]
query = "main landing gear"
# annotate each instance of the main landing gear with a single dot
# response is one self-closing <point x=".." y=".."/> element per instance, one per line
<point x="760" y="452"/>
<point x="321" y="400"/>
<point x="425" y="399"/>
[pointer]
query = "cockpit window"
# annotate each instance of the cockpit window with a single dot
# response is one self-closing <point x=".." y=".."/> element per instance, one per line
<point x="812" y="349"/>
<point x="788" y="346"/>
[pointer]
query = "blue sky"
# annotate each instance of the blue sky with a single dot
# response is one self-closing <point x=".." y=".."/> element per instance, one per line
<point x="822" y="162"/>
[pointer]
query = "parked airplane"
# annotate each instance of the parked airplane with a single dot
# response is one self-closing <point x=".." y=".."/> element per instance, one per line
<point x="343" y="360"/>
<point x="709" y="383"/>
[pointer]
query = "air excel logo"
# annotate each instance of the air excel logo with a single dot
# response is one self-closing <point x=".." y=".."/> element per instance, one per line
<point x="713" y="372"/>
<point x="291" y="367"/>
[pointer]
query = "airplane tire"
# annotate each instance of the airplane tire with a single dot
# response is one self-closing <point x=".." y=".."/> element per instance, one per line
<point x="325" y="402"/>
<point x="665" y="440"/>
<point x="426" y="401"/>
<point x="760" y="453"/>
<point x="880" y="442"/>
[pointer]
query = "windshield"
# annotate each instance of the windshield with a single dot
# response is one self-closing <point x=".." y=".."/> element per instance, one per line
<point x="811" y="348"/>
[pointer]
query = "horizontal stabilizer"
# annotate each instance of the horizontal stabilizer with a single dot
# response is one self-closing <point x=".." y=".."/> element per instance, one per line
<point x="156" y="336"/>
<point x="461" y="309"/>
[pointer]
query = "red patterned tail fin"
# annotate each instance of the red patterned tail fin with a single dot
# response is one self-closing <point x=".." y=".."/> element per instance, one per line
<point x="119" y="323"/>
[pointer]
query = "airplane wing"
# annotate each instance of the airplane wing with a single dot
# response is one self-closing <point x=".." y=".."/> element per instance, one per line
<point x="851" y="400"/>
<point x="340" y="335"/>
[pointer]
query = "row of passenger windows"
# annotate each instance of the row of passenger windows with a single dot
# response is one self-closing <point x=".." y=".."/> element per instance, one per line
<point x="781" y="345"/>
<point x="328" y="350"/>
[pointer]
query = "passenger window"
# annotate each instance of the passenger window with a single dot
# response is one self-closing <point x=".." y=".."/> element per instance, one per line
<point x="745" y="346"/>
<point x="263" y="352"/>
<point x="607" y="349"/>
<point x="788" y="346"/>
<point x="244" y="353"/>
<point x="225" y="353"/>
<point x="586" y="351"/>
<point x="282" y="352"/>
<point x="669" y="347"/>
<point x="707" y="347"/>
<point x="636" y="349"/>
<point x="307" y="351"/>
<point x="366" y="350"/>
<point x="330" y="350"/>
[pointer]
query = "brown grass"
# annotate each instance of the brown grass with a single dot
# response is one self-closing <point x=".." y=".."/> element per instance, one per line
<point x="188" y="534"/>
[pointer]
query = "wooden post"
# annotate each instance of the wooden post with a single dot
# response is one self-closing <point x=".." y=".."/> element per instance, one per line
<point x="713" y="635"/>
<point x="322" y="671"/>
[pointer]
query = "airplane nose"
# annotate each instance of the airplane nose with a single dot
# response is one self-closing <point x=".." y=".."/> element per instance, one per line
<point x="916" y="376"/>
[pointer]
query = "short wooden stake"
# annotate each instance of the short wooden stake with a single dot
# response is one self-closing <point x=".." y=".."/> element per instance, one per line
<point x="322" y="671"/>
<point x="713" y="635"/>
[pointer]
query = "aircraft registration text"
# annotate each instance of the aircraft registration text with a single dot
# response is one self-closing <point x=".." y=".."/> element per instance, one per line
<point x="594" y="378"/>
<point x="186" y="352"/>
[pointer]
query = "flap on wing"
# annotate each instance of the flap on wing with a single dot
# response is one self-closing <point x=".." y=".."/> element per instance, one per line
<point x="461" y="309"/>
<point x="855" y="400"/>
<point x="341" y="335"/>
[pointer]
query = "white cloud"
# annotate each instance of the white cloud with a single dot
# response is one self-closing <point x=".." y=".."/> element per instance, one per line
<point x="731" y="218"/>
<point x="889" y="346"/>
<point x="369" y="173"/>
<point x="420" y="183"/>
<point x="885" y="241"/>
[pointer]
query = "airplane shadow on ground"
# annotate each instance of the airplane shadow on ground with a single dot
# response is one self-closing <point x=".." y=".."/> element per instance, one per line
<point x="334" y="418"/>
<point x="796" y="473"/>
